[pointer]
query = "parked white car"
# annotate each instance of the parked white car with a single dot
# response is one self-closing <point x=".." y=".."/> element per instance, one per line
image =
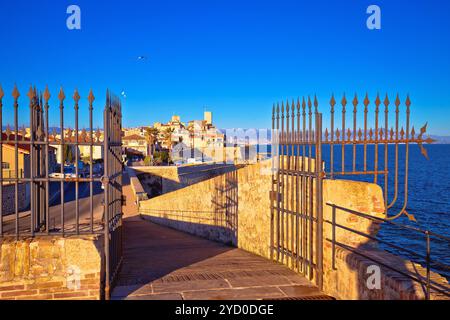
<point x="56" y="175"/>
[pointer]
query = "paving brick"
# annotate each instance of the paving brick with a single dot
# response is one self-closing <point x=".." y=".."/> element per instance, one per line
<point x="163" y="296"/>
<point x="258" y="281"/>
<point x="18" y="293"/>
<point x="38" y="297"/>
<point x="123" y="291"/>
<point x="11" y="288"/>
<point x="70" y="295"/>
<point x="45" y="285"/>
<point x="183" y="286"/>
<point x="235" y="294"/>
<point x="300" y="291"/>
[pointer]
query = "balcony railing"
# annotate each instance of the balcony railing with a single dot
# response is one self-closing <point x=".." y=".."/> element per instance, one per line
<point x="12" y="174"/>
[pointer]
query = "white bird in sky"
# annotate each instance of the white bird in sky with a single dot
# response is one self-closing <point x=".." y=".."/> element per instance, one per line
<point x="123" y="94"/>
<point x="142" y="58"/>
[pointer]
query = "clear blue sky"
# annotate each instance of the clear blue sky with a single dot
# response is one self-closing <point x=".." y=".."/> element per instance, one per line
<point x="235" y="57"/>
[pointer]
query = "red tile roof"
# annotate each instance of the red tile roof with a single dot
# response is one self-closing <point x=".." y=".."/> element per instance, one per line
<point x="12" y="138"/>
<point x="22" y="147"/>
<point x="134" y="137"/>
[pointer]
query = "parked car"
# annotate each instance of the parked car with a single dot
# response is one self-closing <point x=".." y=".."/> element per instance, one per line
<point x="56" y="175"/>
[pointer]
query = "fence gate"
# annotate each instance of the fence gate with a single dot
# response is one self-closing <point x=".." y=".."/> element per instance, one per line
<point x="303" y="155"/>
<point x="112" y="183"/>
<point x="52" y="178"/>
<point x="297" y="188"/>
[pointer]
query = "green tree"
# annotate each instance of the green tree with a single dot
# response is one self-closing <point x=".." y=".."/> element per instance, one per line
<point x="148" y="161"/>
<point x="191" y="130"/>
<point x="68" y="154"/>
<point x="151" y="135"/>
<point x="168" y="133"/>
<point x="161" y="157"/>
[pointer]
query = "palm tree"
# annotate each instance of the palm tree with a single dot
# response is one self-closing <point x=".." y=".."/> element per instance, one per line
<point x="191" y="130"/>
<point x="168" y="137"/>
<point x="151" y="135"/>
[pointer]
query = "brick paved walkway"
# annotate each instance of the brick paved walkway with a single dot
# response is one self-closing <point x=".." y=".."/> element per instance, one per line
<point x="162" y="263"/>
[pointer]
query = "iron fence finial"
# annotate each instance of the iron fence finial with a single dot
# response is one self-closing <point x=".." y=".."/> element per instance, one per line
<point x="76" y="97"/>
<point x="91" y="97"/>
<point x="366" y="101"/>
<point x="61" y="95"/>
<point x="15" y="93"/>
<point x="46" y="94"/>
<point x="408" y="104"/>
<point x="316" y="104"/>
<point x="386" y="103"/>
<point x="397" y="107"/>
<point x="344" y="102"/>
<point x="397" y="101"/>
<point x="31" y="93"/>
<point x="332" y="102"/>
<point x="355" y="102"/>
<point x="377" y="100"/>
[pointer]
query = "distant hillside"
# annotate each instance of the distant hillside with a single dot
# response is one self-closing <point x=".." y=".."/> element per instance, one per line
<point x="440" y="139"/>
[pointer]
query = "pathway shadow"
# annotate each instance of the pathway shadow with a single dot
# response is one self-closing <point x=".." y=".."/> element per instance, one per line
<point x="152" y="252"/>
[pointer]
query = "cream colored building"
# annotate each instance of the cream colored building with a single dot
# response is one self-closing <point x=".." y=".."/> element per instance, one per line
<point x="140" y="131"/>
<point x="136" y="143"/>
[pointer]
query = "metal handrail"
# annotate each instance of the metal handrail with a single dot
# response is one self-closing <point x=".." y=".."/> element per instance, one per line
<point x="427" y="257"/>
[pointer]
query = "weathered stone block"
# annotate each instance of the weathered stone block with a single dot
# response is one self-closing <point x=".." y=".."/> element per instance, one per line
<point x="39" y="268"/>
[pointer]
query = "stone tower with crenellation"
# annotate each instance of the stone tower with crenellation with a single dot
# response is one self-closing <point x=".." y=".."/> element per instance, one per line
<point x="208" y="117"/>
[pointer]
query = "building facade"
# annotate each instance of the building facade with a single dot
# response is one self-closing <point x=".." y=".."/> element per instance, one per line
<point x="136" y="143"/>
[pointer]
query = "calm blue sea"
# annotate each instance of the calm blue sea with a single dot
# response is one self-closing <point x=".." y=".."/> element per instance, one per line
<point x="428" y="196"/>
<point x="429" y="201"/>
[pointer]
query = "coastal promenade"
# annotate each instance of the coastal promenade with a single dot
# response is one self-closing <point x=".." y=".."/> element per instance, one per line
<point x="162" y="263"/>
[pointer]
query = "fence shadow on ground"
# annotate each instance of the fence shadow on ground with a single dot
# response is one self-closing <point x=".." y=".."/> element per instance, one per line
<point x="154" y="253"/>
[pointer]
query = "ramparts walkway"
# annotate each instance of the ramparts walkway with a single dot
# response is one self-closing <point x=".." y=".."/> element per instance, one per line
<point x="162" y="263"/>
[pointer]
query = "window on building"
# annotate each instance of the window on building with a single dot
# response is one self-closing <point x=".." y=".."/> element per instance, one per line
<point x="5" y="165"/>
